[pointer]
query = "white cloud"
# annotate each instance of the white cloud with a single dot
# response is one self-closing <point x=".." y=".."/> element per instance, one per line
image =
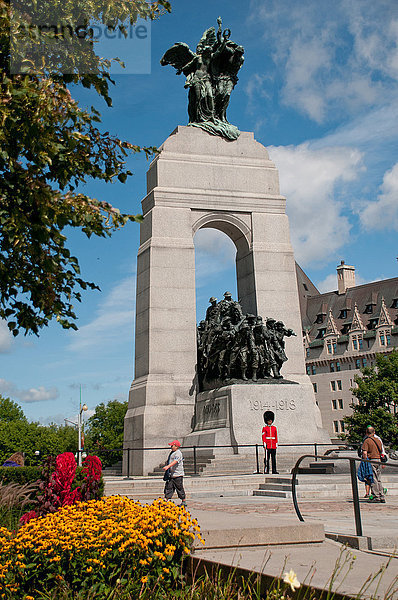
<point x="39" y="394"/>
<point x="113" y="317"/>
<point x="5" y="337"/>
<point x="329" y="284"/>
<point x="313" y="182"/>
<point x="383" y="213"/>
<point x="214" y="253"/>
<point x="331" y="61"/>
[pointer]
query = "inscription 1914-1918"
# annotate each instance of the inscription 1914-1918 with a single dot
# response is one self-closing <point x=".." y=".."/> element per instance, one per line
<point x="272" y="405"/>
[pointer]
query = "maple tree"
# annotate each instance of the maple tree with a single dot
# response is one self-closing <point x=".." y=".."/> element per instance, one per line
<point x="49" y="148"/>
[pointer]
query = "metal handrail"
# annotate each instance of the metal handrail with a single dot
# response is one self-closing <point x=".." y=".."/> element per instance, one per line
<point x="234" y="447"/>
<point x="354" y="485"/>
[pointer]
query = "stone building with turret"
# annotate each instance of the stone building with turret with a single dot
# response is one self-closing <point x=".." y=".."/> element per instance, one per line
<point x="343" y="331"/>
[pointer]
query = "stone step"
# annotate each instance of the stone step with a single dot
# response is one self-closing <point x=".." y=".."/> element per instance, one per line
<point x="260" y="535"/>
<point x="272" y="493"/>
<point x="275" y="486"/>
<point x="309" y="487"/>
<point x="315" y="471"/>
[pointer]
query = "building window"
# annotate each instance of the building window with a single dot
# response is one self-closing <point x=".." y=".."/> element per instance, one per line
<point x="332" y="346"/>
<point x="334" y="404"/>
<point x="319" y="318"/>
<point x="394" y="303"/>
<point x="340" y="402"/>
<point x="357" y="342"/>
<point x="333" y="386"/>
<point x="338" y="367"/>
<point x="313" y="368"/>
<point x="357" y="363"/>
<point x="332" y="367"/>
<point x="342" y="426"/>
<point x="321" y="333"/>
<point x="336" y="426"/>
<point x="372" y="323"/>
<point x="368" y="309"/>
<point x="364" y="362"/>
<point x="343" y="314"/>
<point x="385" y="338"/>
<point x="315" y="386"/>
<point x="308" y="370"/>
<point x="307" y="352"/>
<point x="339" y="386"/>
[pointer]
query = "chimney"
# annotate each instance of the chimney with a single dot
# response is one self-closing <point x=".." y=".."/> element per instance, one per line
<point x="345" y="277"/>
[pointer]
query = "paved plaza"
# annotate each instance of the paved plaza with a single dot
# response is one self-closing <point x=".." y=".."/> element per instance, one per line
<point x="263" y="534"/>
<point x="314" y="561"/>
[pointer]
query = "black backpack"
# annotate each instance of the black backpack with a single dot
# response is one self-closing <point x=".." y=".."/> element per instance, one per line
<point x="359" y="451"/>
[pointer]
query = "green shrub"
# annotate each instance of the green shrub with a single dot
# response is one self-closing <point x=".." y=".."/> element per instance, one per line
<point x="20" y="475"/>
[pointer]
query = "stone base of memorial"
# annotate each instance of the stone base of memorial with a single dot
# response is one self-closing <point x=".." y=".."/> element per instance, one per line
<point x="232" y="415"/>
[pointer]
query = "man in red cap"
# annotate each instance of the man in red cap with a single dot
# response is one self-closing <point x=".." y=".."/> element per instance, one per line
<point x="270" y="441"/>
<point x="174" y="473"/>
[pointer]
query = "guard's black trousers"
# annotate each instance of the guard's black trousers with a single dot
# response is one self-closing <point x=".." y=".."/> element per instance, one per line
<point x="175" y="483"/>
<point x="270" y="454"/>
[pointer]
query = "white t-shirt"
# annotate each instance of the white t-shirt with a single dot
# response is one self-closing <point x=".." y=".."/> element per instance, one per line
<point x="178" y="469"/>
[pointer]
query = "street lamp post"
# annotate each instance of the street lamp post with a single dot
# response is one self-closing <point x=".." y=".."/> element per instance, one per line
<point x="79" y="428"/>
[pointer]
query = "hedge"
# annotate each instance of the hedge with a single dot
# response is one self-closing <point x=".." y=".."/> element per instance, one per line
<point x="22" y="475"/>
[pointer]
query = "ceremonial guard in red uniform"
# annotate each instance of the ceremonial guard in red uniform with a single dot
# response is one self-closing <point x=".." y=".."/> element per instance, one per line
<point x="270" y="441"/>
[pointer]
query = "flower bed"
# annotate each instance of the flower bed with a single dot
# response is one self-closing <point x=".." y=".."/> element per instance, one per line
<point x="96" y="545"/>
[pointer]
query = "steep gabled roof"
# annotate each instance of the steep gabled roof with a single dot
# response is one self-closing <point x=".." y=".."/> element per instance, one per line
<point x="382" y="292"/>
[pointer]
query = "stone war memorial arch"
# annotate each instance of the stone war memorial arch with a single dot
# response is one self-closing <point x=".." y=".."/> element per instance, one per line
<point x="208" y="174"/>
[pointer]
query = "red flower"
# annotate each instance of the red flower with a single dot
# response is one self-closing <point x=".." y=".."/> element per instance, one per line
<point x="92" y="468"/>
<point x="28" y="516"/>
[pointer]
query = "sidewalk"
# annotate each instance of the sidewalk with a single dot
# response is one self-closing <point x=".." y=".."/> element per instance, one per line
<point x="315" y="560"/>
<point x="379" y="521"/>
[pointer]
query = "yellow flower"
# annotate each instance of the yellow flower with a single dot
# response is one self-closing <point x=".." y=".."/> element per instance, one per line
<point x="291" y="579"/>
<point x="144" y="579"/>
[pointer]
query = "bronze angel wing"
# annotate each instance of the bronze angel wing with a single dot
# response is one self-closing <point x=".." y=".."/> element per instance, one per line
<point x="178" y="56"/>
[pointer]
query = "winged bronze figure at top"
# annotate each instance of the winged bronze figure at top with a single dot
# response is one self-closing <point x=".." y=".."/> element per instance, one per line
<point x="211" y="74"/>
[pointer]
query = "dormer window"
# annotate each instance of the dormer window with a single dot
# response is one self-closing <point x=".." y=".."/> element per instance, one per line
<point x="368" y="309"/>
<point x="346" y="328"/>
<point x="394" y="303"/>
<point x="357" y="342"/>
<point x="372" y="323"/>
<point x="343" y="313"/>
<point x="320" y="318"/>
<point x="385" y="337"/>
<point x="321" y="333"/>
<point x="332" y="346"/>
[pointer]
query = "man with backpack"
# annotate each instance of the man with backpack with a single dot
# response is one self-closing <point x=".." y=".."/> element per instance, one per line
<point x="372" y="449"/>
<point x="174" y="473"/>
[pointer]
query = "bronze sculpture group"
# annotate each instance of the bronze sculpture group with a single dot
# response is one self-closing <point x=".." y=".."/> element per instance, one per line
<point x="211" y="74"/>
<point x="232" y="345"/>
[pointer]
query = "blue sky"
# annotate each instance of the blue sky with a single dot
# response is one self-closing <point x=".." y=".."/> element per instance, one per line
<point x="319" y="88"/>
